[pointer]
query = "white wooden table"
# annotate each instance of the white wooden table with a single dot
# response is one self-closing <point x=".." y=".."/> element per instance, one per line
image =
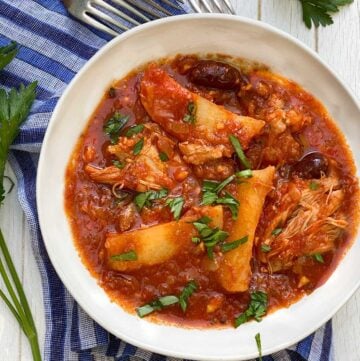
<point x="338" y="45"/>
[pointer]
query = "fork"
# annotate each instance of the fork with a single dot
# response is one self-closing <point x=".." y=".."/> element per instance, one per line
<point x="97" y="12"/>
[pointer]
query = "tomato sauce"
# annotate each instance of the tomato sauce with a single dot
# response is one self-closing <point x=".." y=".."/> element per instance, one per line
<point x="93" y="211"/>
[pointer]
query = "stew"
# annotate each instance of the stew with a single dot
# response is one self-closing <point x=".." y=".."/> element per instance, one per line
<point x="208" y="191"/>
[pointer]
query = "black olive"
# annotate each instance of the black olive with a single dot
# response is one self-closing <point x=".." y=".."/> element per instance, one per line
<point x="312" y="165"/>
<point x="215" y="74"/>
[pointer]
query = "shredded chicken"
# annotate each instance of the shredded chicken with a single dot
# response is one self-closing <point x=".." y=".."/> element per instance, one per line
<point x="308" y="219"/>
<point x="143" y="171"/>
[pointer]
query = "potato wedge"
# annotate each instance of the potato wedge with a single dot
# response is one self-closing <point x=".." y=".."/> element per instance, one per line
<point x="157" y="244"/>
<point x="234" y="271"/>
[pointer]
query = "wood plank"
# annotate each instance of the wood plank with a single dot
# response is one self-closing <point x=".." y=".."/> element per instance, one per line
<point x="246" y="8"/>
<point x="339" y="46"/>
<point x="11" y="220"/>
<point x="287" y="15"/>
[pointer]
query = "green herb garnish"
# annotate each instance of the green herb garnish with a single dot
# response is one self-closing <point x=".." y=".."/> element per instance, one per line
<point x="190" y="116"/>
<point x="211" y="190"/>
<point x="175" y="205"/>
<point x="276" y="231"/>
<point x="135" y="129"/>
<point x="163" y="157"/>
<point x="318" y="12"/>
<point x="146" y="198"/>
<point x="314" y="186"/>
<point x="239" y="151"/>
<point x="209" y="236"/>
<point x="7" y="54"/>
<point x="258" y="344"/>
<point x="118" y="164"/>
<point x="114" y="126"/>
<point x="14" y="109"/>
<point x="227" y="247"/>
<point x="265" y="248"/>
<point x="187" y="291"/>
<point x="156" y="305"/>
<point x="246" y="173"/>
<point x="256" y="309"/>
<point x="127" y="256"/>
<point x="318" y="257"/>
<point x="138" y="146"/>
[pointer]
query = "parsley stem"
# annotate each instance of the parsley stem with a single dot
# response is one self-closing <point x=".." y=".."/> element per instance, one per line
<point x="20" y="307"/>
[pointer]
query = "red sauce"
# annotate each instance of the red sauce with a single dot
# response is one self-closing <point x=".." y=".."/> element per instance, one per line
<point x="93" y="211"/>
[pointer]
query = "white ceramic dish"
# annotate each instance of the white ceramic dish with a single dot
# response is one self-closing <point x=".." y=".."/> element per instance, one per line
<point x="189" y="34"/>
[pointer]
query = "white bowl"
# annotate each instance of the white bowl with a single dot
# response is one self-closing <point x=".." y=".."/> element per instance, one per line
<point x="189" y="34"/>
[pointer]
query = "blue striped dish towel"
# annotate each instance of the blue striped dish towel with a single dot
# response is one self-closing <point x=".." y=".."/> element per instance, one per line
<point x="54" y="47"/>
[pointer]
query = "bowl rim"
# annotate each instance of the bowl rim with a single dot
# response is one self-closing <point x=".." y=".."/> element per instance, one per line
<point x="125" y="35"/>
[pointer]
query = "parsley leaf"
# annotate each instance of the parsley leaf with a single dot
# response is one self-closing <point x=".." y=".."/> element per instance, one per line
<point x="239" y="151"/>
<point x="190" y="116"/>
<point x="265" y="248"/>
<point x="314" y="186"/>
<point x="145" y="199"/>
<point x="209" y="236"/>
<point x="317" y="12"/>
<point x="163" y="157"/>
<point x="127" y="256"/>
<point x="187" y="291"/>
<point x="14" y="108"/>
<point x="227" y="247"/>
<point x="114" y="126"/>
<point x="135" y="129"/>
<point x="276" y="231"/>
<point x="7" y="54"/>
<point x="176" y="205"/>
<point x="138" y="146"/>
<point x="256" y="309"/>
<point x="156" y="305"/>
<point x="318" y="257"/>
<point x="211" y="189"/>
<point x="118" y="164"/>
<point x="258" y="344"/>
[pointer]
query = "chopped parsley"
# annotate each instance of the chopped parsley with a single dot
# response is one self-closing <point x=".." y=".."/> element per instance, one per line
<point x="127" y="256"/>
<point x="257" y="308"/>
<point x="163" y="157"/>
<point x="239" y="151"/>
<point x="138" y="146"/>
<point x="265" y="248"/>
<point x="156" y="305"/>
<point x="211" y="190"/>
<point x="276" y="231"/>
<point x="114" y="126"/>
<point x="258" y="345"/>
<point x="187" y="291"/>
<point x="190" y="116"/>
<point x="209" y="236"/>
<point x="318" y="257"/>
<point x="145" y="199"/>
<point x="314" y="186"/>
<point x="118" y="164"/>
<point x="227" y="247"/>
<point x="175" y="205"/>
<point x="135" y="129"/>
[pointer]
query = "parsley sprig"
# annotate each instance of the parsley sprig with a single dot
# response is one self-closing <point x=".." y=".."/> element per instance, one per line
<point x="318" y="12"/>
<point x="209" y="236"/>
<point x="176" y="204"/>
<point x="145" y="199"/>
<point x="256" y="309"/>
<point x="114" y="126"/>
<point x="14" y="109"/>
<point x="169" y="300"/>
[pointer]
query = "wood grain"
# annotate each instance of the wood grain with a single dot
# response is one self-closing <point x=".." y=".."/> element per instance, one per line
<point x="338" y="45"/>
